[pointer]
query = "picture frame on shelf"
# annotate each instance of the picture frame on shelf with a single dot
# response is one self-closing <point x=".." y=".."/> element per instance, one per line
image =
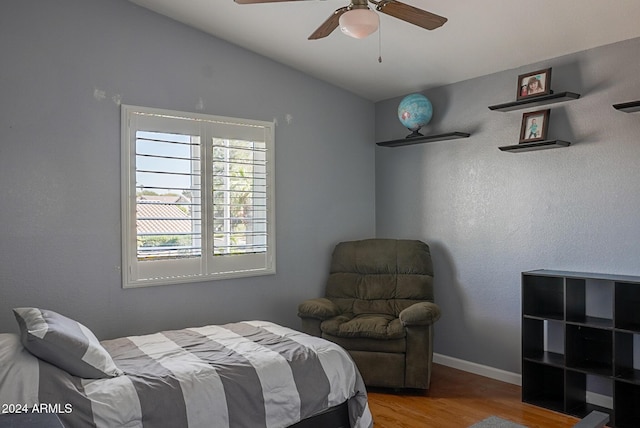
<point x="534" y="84"/>
<point x="534" y="126"/>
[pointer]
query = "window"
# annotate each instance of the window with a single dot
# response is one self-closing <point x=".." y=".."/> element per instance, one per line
<point x="197" y="197"/>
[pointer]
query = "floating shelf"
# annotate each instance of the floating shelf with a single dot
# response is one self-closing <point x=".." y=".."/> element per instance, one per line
<point x="423" y="139"/>
<point x="629" y="107"/>
<point x="536" y="145"/>
<point x="536" y="101"/>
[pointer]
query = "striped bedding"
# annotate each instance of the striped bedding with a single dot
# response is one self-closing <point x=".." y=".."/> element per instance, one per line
<point x="249" y="374"/>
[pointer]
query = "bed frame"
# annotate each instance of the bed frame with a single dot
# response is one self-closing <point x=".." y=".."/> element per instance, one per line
<point x="336" y="417"/>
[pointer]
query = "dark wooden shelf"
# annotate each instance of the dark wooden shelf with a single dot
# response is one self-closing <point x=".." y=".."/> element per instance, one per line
<point x="629" y="107"/>
<point x="629" y="375"/>
<point x="557" y="316"/>
<point x="587" y="367"/>
<point x="547" y="358"/>
<point x="537" y="145"/>
<point x="423" y="139"/>
<point x="536" y="101"/>
<point x="587" y="321"/>
<point x="628" y="328"/>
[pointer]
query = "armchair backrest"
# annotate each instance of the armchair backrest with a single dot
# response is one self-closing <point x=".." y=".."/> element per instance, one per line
<point x="380" y="276"/>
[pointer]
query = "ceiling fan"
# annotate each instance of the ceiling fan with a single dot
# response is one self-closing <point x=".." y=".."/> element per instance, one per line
<point x="362" y="21"/>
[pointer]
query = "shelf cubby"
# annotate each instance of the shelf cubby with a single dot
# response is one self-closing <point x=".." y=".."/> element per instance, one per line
<point x="589" y="302"/>
<point x="625" y="368"/>
<point x="543" y="296"/>
<point x="627" y="302"/>
<point x="543" y="386"/>
<point x="625" y="401"/>
<point x="589" y="349"/>
<point x="536" y="348"/>
<point x="577" y="403"/>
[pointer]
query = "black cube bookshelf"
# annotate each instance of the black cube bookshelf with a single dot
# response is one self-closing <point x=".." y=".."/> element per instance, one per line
<point x="598" y="343"/>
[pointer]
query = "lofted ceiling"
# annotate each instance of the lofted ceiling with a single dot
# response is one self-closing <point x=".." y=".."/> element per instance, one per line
<point x="481" y="37"/>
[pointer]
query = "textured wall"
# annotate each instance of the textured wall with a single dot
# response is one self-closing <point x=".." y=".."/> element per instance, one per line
<point x="65" y="67"/>
<point x="488" y="215"/>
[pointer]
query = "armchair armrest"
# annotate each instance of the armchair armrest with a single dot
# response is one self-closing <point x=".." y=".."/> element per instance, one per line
<point x="320" y="308"/>
<point x="422" y="313"/>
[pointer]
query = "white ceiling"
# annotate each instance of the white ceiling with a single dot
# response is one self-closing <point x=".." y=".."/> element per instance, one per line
<point x="480" y="37"/>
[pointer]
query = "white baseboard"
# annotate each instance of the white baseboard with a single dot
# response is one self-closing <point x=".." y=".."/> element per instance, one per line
<point x="509" y="377"/>
<point x="479" y="369"/>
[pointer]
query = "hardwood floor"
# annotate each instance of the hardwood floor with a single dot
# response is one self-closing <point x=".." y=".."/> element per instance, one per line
<point x="458" y="399"/>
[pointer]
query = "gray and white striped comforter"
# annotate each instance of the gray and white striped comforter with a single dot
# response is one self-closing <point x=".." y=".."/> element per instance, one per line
<point x="249" y="374"/>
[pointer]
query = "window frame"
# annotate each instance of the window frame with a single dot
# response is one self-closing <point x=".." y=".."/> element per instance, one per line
<point x="207" y="266"/>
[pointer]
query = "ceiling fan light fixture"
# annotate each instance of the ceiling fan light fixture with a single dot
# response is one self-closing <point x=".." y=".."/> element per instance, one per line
<point x="359" y="23"/>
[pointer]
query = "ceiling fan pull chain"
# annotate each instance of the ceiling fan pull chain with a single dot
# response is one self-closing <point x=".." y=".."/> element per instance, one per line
<point x="380" y="42"/>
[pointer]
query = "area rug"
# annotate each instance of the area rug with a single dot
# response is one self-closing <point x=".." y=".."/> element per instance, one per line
<point x="496" y="422"/>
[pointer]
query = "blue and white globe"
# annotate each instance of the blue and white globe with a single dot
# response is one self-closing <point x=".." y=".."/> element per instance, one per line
<point x="415" y="111"/>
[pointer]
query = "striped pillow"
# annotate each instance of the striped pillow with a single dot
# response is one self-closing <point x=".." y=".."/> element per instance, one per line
<point x="65" y="343"/>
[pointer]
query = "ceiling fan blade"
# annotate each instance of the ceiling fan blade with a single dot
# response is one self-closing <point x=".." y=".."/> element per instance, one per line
<point x="259" y="1"/>
<point x="411" y="14"/>
<point x="329" y="25"/>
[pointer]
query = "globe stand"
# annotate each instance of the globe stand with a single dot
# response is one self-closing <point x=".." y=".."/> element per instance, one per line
<point x="415" y="133"/>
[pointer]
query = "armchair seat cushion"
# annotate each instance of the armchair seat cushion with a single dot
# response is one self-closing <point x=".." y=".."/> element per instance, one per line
<point x="371" y="326"/>
<point x="363" y="344"/>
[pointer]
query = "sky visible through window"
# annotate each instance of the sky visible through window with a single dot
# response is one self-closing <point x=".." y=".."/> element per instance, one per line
<point x="167" y="153"/>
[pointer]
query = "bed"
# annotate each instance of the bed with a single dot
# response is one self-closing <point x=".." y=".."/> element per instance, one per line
<point x="247" y="374"/>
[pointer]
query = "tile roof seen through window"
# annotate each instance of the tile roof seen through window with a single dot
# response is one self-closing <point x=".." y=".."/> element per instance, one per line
<point x="154" y="217"/>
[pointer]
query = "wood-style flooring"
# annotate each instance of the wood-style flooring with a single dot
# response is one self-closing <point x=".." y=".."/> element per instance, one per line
<point x="458" y="399"/>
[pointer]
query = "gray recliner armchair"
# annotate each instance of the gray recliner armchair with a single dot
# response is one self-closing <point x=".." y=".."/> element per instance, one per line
<point x="379" y="306"/>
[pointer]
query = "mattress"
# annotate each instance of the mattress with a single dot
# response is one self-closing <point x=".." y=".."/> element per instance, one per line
<point x="248" y="374"/>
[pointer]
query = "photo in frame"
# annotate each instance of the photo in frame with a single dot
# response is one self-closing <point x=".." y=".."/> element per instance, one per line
<point x="534" y="126"/>
<point x="534" y="84"/>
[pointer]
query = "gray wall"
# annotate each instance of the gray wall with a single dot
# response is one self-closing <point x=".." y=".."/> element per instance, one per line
<point x="65" y="65"/>
<point x="488" y="215"/>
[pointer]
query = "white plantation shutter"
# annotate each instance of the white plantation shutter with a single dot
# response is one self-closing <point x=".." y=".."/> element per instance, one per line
<point x="239" y="196"/>
<point x="197" y="197"/>
<point x="169" y="225"/>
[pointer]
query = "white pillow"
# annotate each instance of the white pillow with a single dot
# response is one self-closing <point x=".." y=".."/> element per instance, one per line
<point x="65" y="343"/>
